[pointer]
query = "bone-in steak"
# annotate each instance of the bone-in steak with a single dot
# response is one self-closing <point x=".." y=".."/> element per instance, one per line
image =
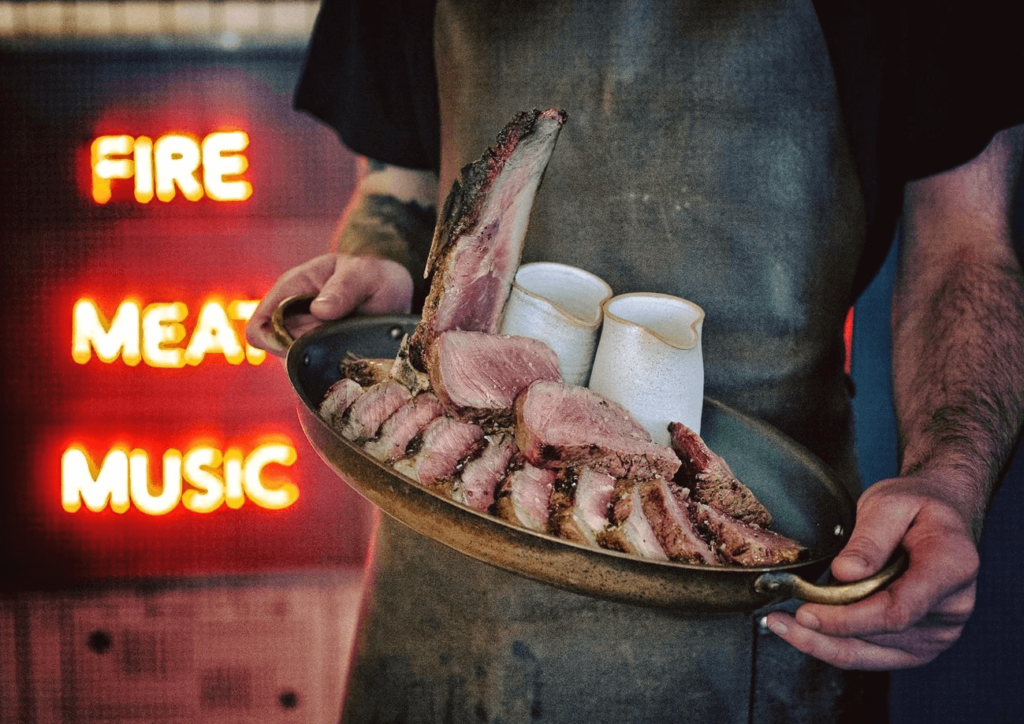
<point x="479" y="237"/>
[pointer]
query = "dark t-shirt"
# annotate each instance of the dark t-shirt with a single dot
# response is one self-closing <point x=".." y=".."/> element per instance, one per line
<point x="923" y="87"/>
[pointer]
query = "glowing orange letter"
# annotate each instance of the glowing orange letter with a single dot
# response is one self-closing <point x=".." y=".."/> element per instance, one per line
<point x="105" y="167"/>
<point x="242" y="309"/>
<point x="264" y="455"/>
<point x="198" y="464"/>
<point x="90" y="331"/>
<point x="221" y="158"/>
<point x="143" y="169"/>
<point x="162" y="329"/>
<point x="176" y="159"/>
<point x="78" y="484"/>
<point x="138" y="476"/>
<point x="214" y="333"/>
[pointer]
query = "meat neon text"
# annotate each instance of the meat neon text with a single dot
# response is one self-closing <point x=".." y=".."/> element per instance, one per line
<point x="156" y="333"/>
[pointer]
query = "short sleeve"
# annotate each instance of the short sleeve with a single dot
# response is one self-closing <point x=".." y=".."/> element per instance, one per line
<point x="369" y="74"/>
<point x="960" y="81"/>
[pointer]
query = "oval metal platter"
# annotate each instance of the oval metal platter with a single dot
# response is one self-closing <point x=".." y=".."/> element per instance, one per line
<point x="807" y="504"/>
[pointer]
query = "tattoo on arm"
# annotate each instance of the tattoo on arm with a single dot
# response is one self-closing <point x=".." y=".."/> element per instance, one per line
<point x="383" y="225"/>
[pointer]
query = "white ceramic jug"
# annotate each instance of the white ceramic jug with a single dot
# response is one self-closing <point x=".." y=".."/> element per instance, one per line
<point x="561" y="306"/>
<point x="649" y="360"/>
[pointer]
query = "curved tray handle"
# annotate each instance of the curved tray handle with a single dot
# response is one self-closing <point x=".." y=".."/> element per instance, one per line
<point x="298" y="304"/>
<point x="789" y="585"/>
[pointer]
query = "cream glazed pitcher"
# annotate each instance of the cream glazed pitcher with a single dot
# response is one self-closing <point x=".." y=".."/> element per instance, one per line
<point x="561" y="306"/>
<point x="649" y="360"/>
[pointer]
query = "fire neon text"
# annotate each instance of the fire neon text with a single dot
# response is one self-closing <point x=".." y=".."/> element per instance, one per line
<point x="172" y="164"/>
<point x="214" y="478"/>
<point x="155" y="334"/>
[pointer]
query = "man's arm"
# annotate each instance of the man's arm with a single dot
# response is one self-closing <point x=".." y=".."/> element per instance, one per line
<point x="378" y="251"/>
<point x="958" y="366"/>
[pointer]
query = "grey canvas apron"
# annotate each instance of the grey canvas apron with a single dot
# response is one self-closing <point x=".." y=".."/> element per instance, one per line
<point x="704" y="157"/>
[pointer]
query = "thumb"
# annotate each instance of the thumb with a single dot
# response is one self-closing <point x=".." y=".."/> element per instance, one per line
<point x="882" y="522"/>
<point x="348" y="286"/>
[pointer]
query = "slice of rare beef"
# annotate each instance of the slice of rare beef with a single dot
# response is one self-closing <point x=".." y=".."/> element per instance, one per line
<point x="478" y="482"/>
<point x="442" y="445"/>
<point x="478" y="241"/>
<point x="581" y="504"/>
<point x="477" y="375"/>
<point x="338" y="398"/>
<point x="404" y="424"/>
<point x="559" y="425"/>
<point x="668" y="511"/>
<point x="743" y="543"/>
<point x="630" y="531"/>
<point x="377" y="403"/>
<point x="711" y="480"/>
<point x="524" y="497"/>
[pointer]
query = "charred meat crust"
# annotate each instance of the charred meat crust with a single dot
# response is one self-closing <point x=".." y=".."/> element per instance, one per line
<point x="462" y="206"/>
<point x="492" y="242"/>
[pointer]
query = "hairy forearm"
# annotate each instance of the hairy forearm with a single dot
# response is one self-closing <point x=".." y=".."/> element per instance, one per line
<point x="391" y="214"/>
<point x="958" y="342"/>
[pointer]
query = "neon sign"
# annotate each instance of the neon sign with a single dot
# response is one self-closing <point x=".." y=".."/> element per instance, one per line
<point x="215" y="478"/>
<point x="172" y="164"/>
<point x="154" y="334"/>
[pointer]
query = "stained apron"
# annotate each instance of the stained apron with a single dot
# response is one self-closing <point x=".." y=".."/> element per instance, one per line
<point x="705" y="157"/>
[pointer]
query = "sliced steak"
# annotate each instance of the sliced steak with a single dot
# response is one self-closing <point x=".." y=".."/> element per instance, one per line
<point x="559" y="425"/>
<point x="442" y="445"/>
<point x="404" y="424"/>
<point x="374" y="406"/>
<point x="748" y="545"/>
<point x="478" y="483"/>
<point x="477" y="376"/>
<point x="581" y="504"/>
<point x="630" y="530"/>
<point x="524" y="497"/>
<point x="338" y="398"/>
<point x="478" y="240"/>
<point x="668" y="511"/>
<point x="711" y="480"/>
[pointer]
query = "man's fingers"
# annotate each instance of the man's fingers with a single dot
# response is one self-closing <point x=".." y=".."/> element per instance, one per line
<point x="845" y="653"/>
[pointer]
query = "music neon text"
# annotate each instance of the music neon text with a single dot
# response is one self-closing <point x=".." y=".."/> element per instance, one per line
<point x="171" y="164"/>
<point x="214" y="478"/>
<point x="155" y="334"/>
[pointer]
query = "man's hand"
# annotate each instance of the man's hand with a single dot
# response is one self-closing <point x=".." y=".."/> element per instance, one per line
<point x="343" y="284"/>
<point x="919" y="615"/>
<point x="958" y="389"/>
